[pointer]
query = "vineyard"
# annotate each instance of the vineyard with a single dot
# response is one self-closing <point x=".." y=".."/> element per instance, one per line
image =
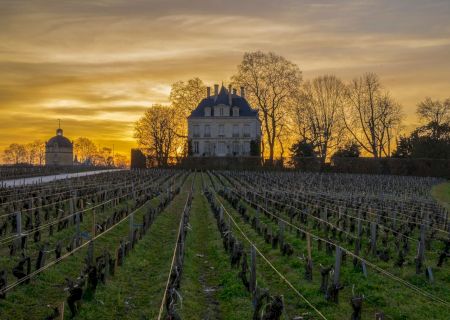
<point x="174" y="244"/>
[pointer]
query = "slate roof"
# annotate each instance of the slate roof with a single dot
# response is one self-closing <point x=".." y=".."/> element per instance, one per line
<point x="59" y="140"/>
<point x="222" y="98"/>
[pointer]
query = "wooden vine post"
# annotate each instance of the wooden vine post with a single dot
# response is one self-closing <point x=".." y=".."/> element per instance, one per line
<point x="253" y="272"/>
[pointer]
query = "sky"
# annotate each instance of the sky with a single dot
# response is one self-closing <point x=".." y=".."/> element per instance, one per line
<point x="97" y="65"/>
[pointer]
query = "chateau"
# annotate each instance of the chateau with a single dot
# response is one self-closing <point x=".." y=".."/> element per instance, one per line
<point x="223" y="124"/>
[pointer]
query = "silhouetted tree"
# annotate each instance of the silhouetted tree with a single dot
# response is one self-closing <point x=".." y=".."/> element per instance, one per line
<point x="184" y="98"/>
<point x="300" y="150"/>
<point x="371" y="116"/>
<point x="303" y="149"/>
<point x="436" y="116"/>
<point x="85" y="150"/>
<point x="350" y="150"/>
<point x="324" y="98"/>
<point x="120" y="160"/>
<point x="255" y="148"/>
<point x="404" y="148"/>
<point x="270" y="82"/>
<point x="431" y="140"/>
<point x="154" y="133"/>
<point x="15" y="154"/>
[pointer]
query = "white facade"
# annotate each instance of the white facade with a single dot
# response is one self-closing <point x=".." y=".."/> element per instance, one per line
<point x="220" y="129"/>
<point x="222" y="136"/>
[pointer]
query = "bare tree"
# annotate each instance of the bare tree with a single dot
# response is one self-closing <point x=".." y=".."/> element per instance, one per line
<point x="154" y="133"/>
<point x="39" y="151"/>
<point x="15" y="154"/>
<point x="104" y="157"/>
<point x="324" y="99"/>
<point x="30" y="153"/>
<point x="370" y="115"/>
<point x="270" y="81"/>
<point x="283" y="139"/>
<point x="184" y="98"/>
<point x="120" y="160"/>
<point x="434" y="111"/>
<point x="35" y="152"/>
<point x="8" y="156"/>
<point x="299" y="124"/>
<point x="435" y="114"/>
<point x="85" y="149"/>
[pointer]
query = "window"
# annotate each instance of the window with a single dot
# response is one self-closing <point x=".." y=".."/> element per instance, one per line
<point x="222" y="148"/>
<point x="221" y="130"/>
<point x="235" y="148"/>
<point x="196" y="149"/>
<point x="221" y="111"/>
<point x="235" y="112"/>
<point x="207" y="112"/>
<point x="247" y="130"/>
<point x="196" y="131"/>
<point x="207" y="130"/>
<point x="246" y="148"/>
<point x="235" y="130"/>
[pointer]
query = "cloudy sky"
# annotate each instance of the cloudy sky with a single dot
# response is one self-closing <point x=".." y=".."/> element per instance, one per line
<point x="98" y="64"/>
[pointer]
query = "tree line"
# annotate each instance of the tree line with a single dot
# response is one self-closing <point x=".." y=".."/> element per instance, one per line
<point x="321" y="117"/>
<point x="28" y="153"/>
<point x="85" y="152"/>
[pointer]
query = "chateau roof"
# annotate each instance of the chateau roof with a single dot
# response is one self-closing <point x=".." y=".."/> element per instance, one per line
<point x="223" y="98"/>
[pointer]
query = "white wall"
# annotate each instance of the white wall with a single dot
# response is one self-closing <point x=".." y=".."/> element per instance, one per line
<point x="223" y="145"/>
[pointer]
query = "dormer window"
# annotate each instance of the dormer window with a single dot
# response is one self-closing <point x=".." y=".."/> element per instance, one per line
<point x="235" y="112"/>
<point x="221" y="111"/>
<point x="207" y="112"/>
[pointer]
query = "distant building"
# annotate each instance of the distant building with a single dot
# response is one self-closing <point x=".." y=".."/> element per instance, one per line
<point x="59" y="150"/>
<point x="223" y="124"/>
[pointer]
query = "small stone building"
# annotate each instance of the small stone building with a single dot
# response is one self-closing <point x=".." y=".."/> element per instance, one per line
<point x="59" y="150"/>
<point x="223" y="125"/>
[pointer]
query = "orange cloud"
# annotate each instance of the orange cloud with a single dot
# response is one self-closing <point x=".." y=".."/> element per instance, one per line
<point x="98" y="65"/>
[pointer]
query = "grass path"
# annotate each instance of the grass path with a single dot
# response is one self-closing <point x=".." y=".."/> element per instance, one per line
<point x="209" y="287"/>
<point x="137" y="288"/>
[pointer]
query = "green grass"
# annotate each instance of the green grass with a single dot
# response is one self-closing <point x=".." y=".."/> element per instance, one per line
<point x="207" y="267"/>
<point x="441" y="193"/>
<point x="382" y="293"/>
<point x="28" y="301"/>
<point x="65" y="235"/>
<point x="136" y="290"/>
<point x="138" y="286"/>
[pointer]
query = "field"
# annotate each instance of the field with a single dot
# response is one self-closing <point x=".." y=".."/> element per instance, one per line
<point x="173" y="244"/>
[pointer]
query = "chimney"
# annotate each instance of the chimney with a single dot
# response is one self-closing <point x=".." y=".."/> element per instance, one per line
<point x="208" y="91"/>
<point x="229" y="94"/>
<point x="216" y="89"/>
<point x="234" y="91"/>
<point x="242" y="92"/>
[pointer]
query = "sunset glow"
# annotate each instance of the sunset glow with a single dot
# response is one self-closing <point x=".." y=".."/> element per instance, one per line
<point x="98" y="65"/>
